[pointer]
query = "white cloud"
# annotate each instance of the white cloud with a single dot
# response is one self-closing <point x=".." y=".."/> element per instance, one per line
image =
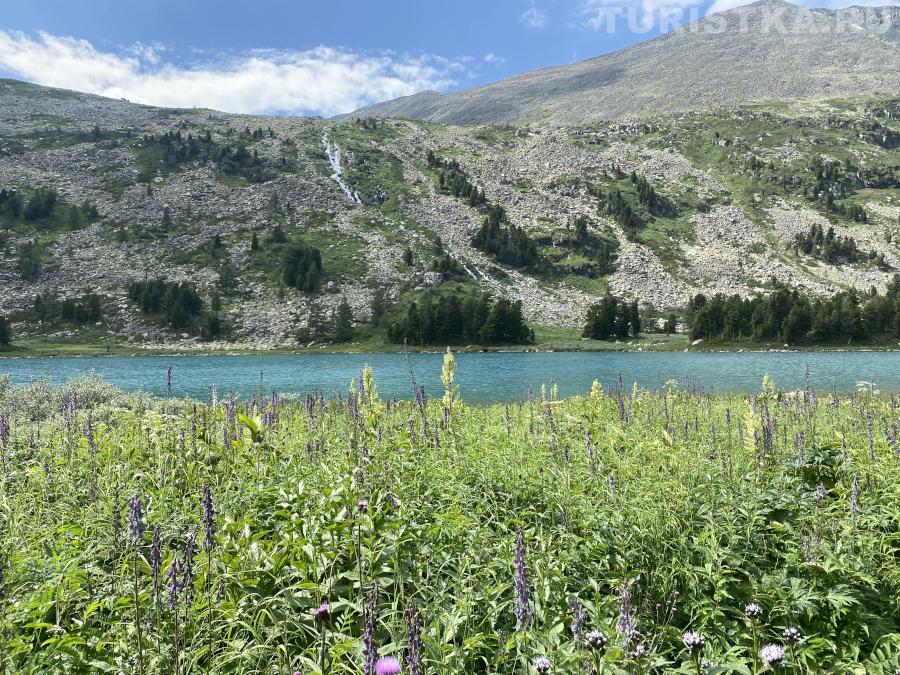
<point x="533" y="17"/>
<point x="493" y="59"/>
<point x="322" y="80"/>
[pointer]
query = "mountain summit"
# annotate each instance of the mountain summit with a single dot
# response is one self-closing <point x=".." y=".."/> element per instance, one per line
<point x="767" y="51"/>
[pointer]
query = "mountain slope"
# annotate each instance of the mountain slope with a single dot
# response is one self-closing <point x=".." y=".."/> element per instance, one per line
<point x="770" y="50"/>
<point x="219" y="203"/>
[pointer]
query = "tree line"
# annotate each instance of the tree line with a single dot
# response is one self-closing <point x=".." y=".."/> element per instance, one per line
<point x="790" y="316"/>
<point x="454" y="181"/>
<point x="459" y="317"/>
<point x="48" y="308"/>
<point x="44" y="206"/>
<point x="612" y="317"/>
<point x="177" y="304"/>
<point x="301" y="267"/>
<point x="505" y="241"/>
<point x="825" y="245"/>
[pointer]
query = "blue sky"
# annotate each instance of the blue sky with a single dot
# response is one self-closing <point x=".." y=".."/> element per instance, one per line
<point x="313" y="57"/>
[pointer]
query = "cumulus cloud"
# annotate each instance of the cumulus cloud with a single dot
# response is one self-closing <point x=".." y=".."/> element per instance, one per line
<point x="533" y="16"/>
<point x="323" y="80"/>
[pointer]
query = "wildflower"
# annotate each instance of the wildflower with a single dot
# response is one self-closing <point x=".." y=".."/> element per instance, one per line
<point x="820" y="492"/>
<point x="187" y="580"/>
<point x="387" y="665"/>
<point x="322" y="612"/>
<point x="138" y="475"/>
<point x="693" y="641"/>
<point x="578" y="620"/>
<point x="753" y="611"/>
<point x="772" y="654"/>
<point x="791" y="634"/>
<point x="626" y="616"/>
<point x="638" y="652"/>
<point x="520" y="582"/>
<point x="542" y="664"/>
<point x="370" y="651"/>
<point x="174" y="585"/>
<point x="209" y="519"/>
<point x="854" y="497"/>
<point x="362" y="505"/>
<point x="135" y="527"/>
<point x="414" y="638"/>
<point x="156" y="558"/>
<point x="596" y="641"/>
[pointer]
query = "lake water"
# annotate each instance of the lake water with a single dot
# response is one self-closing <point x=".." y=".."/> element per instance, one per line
<point x="481" y="376"/>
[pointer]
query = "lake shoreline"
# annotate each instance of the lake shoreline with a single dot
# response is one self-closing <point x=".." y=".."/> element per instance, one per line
<point x="62" y="350"/>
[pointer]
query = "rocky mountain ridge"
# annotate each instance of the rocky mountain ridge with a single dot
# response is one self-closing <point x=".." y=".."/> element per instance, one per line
<point x="771" y="50"/>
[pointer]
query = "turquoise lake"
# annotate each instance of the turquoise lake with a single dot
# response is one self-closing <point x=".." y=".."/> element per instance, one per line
<point x="482" y="376"/>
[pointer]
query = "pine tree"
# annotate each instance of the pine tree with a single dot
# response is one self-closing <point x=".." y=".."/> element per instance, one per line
<point x="5" y="332"/>
<point x="635" y="319"/>
<point x="379" y="306"/>
<point x="343" y="322"/>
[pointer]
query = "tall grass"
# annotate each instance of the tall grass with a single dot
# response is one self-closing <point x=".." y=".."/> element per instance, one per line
<point x="645" y="517"/>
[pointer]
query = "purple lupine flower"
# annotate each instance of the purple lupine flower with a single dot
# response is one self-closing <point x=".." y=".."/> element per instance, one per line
<point x="753" y="611"/>
<point x="414" y="638"/>
<point x="791" y="634"/>
<point x="209" y="519"/>
<point x="187" y="576"/>
<point x="596" y="641"/>
<point x="230" y="405"/>
<point x="854" y="496"/>
<point x="578" y="619"/>
<point x="542" y="664"/>
<point x="322" y="613"/>
<point x="520" y="583"/>
<point x="693" y="641"/>
<point x="807" y="553"/>
<point x="174" y="584"/>
<point x="4" y="429"/>
<point x="773" y="655"/>
<point x="370" y="650"/>
<point x="626" y="615"/>
<point x="135" y="526"/>
<point x="156" y="558"/>
<point x="388" y="665"/>
<point x="820" y="493"/>
<point x="362" y="506"/>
